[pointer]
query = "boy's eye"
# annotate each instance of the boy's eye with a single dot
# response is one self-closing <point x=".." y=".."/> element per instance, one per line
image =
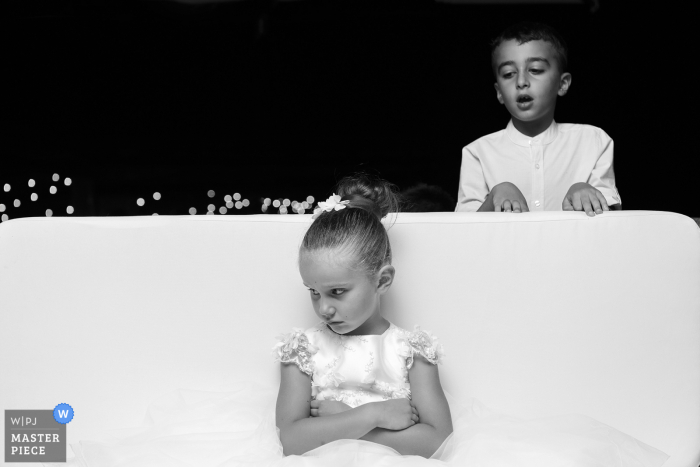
<point x="535" y="70"/>
<point x="337" y="291"/>
<point x="313" y="291"/>
<point x="508" y="75"/>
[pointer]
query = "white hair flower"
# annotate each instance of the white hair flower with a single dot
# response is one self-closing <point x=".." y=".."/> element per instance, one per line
<point x="331" y="204"/>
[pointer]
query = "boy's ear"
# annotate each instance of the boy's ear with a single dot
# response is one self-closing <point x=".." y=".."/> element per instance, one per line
<point x="564" y="83"/>
<point x="499" y="96"/>
<point x="385" y="278"/>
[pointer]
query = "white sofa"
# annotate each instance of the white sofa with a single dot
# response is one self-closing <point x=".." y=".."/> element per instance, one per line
<point x="540" y="313"/>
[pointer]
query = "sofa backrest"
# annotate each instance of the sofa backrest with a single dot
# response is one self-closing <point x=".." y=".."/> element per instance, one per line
<point x="540" y="313"/>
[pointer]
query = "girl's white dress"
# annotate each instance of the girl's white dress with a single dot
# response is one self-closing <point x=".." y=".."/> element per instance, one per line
<point x="237" y="428"/>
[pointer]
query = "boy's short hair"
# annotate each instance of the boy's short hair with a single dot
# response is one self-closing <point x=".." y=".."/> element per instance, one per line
<point x="528" y="31"/>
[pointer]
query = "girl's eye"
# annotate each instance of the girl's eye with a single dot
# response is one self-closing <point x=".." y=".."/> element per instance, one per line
<point x="338" y="291"/>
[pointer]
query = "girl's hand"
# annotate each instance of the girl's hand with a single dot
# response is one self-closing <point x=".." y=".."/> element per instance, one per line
<point x="326" y="408"/>
<point x="397" y="414"/>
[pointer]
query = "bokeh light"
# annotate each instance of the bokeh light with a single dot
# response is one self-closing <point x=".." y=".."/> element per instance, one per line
<point x="156" y="196"/>
<point x="239" y="205"/>
<point x="246" y="203"/>
<point x="264" y="208"/>
<point x="70" y="210"/>
<point x="67" y="181"/>
<point x="229" y="204"/>
<point x="49" y="213"/>
<point x="236" y="196"/>
<point x="286" y="202"/>
<point x="223" y="210"/>
<point x="31" y="183"/>
<point x="211" y="208"/>
<point x="140" y="201"/>
<point x="4" y="217"/>
<point x="300" y="211"/>
<point x="154" y="214"/>
<point x="7" y="187"/>
<point x="34" y="197"/>
<point x="55" y="177"/>
<point x="53" y="190"/>
<point x="210" y="213"/>
<point x="227" y="198"/>
<point x="211" y="193"/>
<point x="310" y="199"/>
<point x="276" y="203"/>
<point x="267" y="201"/>
<point x="305" y="204"/>
<point x="17" y="203"/>
<point x="2" y="208"/>
<point x="283" y="210"/>
<point x="295" y="203"/>
<point x="193" y="211"/>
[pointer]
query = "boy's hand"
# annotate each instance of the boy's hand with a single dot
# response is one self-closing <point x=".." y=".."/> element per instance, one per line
<point x="326" y="408"/>
<point x="508" y="198"/>
<point x="583" y="197"/>
<point x="396" y="414"/>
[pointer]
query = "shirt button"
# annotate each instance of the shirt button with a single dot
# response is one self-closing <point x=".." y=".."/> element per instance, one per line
<point x="537" y="203"/>
<point x="537" y="166"/>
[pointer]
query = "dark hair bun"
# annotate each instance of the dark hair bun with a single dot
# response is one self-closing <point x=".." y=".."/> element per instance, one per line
<point x="370" y="193"/>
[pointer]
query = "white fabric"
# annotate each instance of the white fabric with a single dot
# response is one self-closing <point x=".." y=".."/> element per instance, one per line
<point x="357" y="369"/>
<point x="541" y="314"/>
<point x="542" y="167"/>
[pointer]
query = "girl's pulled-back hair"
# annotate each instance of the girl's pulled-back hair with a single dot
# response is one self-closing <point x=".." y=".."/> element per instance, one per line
<point x="357" y="230"/>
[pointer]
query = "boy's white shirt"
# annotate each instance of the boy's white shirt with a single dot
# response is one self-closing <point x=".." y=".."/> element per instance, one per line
<point x="543" y="167"/>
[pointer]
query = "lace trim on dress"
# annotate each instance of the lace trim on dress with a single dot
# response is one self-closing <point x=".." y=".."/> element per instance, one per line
<point x="294" y="347"/>
<point x="425" y="344"/>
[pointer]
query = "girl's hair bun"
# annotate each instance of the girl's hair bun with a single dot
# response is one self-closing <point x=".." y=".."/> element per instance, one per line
<point x="373" y="194"/>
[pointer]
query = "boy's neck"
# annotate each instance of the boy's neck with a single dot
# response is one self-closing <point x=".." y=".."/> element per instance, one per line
<point x="533" y="128"/>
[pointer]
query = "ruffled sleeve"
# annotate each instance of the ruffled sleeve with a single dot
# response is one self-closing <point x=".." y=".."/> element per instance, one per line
<point x="422" y="343"/>
<point x="294" y="347"/>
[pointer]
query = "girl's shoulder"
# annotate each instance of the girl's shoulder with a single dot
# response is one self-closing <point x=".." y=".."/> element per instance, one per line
<point x="299" y="346"/>
<point x="419" y="342"/>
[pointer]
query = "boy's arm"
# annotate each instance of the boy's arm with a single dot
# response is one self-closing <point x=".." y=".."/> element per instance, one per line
<point x="602" y="177"/>
<point x="472" y="184"/>
<point x="435" y="425"/>
<point x="300" y="433"/>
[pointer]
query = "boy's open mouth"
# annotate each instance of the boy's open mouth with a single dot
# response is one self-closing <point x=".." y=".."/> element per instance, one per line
<point x="523" y="99"/>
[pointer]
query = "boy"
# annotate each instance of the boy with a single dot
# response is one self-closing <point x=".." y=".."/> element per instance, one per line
<point x="536" y="164"/>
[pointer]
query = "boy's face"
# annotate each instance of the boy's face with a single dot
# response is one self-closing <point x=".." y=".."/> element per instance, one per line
<point x="528" y="80"/>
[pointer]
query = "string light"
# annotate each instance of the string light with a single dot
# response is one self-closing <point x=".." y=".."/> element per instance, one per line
<point x="140" y="201"/>
<point x="156" y="195"/>
<point x="53" y="190"/>
<point x="193" y="211"/>
<point x="34" y="197"/>
<point x="70" y="210"/>
<point x="55" y="177"/>
<point x="31" y="183"/>
<point x="67" y="181"/>
<point x="49" y="213"/>
<point x="7" y="187"/>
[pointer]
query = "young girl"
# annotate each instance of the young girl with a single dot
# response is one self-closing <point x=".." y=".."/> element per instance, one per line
<point x="355" y="375"/>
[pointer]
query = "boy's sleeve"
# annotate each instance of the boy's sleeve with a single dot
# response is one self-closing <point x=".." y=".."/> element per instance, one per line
<point x="472" y="185"/>
<point x="602" y="177"/>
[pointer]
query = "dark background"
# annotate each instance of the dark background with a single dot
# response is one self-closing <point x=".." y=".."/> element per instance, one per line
<point x="280" y="100"/>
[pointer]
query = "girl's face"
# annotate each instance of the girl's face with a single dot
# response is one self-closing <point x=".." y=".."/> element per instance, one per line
<point x="347" y="300"/>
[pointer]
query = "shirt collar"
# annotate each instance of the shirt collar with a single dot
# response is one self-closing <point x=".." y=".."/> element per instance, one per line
<point x="546" y="137"/>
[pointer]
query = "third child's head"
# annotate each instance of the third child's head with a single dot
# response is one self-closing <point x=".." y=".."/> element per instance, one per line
<point x="529" y="61"/>
<point x="345" y="257"/>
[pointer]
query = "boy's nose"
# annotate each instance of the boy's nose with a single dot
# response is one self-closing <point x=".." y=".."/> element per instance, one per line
<point x="522" y="81"/>
<point x="327" y="311"/>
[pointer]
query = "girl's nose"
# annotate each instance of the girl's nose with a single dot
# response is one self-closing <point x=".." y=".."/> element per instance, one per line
<point x="327" y="311"/>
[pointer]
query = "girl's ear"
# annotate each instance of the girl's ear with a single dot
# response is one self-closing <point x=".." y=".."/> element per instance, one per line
<point x="385" y="278"/>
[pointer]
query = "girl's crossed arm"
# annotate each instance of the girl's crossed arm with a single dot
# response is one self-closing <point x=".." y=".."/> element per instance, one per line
<point x="391" y="423"/>
<point x="299" y="432"/>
